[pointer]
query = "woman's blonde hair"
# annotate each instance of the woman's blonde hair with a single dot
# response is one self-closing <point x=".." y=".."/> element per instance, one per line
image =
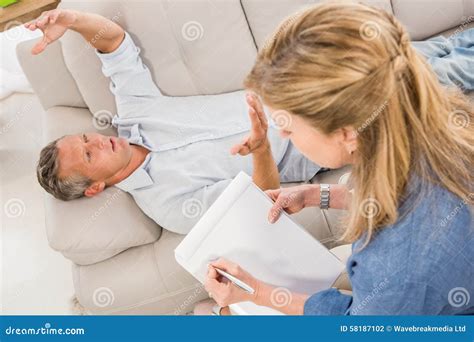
<point x="339" y="65"/>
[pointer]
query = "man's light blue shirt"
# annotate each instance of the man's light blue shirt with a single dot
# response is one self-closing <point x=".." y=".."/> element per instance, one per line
<point x="189" y="138"/>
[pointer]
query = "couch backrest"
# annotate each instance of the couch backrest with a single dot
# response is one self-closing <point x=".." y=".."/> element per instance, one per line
<point x="192" y="47"/>
<point x="426" y="18"/>
<point x="207" y="46"/>
<point x="263" y="17"/>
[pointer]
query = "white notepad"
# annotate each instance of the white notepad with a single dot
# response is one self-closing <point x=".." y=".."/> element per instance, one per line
<point x="282" y="254"/>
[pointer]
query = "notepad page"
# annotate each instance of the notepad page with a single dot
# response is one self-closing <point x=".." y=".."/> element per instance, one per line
<point x="282" y="254"/>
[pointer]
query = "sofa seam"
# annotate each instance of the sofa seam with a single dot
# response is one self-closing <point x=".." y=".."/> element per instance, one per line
<point x="248" y="24"/>
<point x="153" y="299"/>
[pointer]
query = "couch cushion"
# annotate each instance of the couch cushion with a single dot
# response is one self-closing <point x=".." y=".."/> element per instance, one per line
<point x="264" y="16"/>
<point x="191" y="47"/>
<point x="144" y="280"/>
<point x="425" y="18"/>
<point x="89" y="230"/>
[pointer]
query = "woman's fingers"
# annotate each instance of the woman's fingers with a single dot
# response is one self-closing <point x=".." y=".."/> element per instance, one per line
<point x="274" y="213"/>
<point x="281" y="203"/>
<point x="273" y="194"/>
<point x="225" y="265"/>
<point x="212" y="273"/>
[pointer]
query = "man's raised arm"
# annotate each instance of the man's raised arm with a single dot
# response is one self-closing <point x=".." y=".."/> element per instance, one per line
<point x="102" y="33"/>
<point x="265" y="171"/>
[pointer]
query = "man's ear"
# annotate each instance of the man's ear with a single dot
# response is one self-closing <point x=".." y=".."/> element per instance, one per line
<point x="350" y="138"/>
<point x="94" y="189"/>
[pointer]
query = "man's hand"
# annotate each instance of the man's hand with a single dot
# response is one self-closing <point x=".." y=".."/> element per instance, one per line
<point x="257" y="140"/>
<point x="53" y="24"/>
<point x="265" y="171"/>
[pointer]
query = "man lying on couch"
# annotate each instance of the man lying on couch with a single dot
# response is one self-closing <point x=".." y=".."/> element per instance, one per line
<point x="171" y="153"/>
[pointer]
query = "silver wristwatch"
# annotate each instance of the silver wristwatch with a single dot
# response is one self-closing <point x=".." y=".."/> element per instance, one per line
<point x="324" y="196"/>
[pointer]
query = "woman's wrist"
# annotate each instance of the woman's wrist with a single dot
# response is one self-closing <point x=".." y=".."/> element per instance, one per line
<point x="262" y="293"/>
<point x="267" y="295"/>
<point x="312" y="196"/>
<point x="339" y="196"/>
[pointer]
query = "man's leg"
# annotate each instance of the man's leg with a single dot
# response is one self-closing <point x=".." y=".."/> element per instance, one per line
<point x="452" y="59"/>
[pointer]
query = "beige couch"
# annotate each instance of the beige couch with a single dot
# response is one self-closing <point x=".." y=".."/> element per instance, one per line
<point x="122" y="262"/>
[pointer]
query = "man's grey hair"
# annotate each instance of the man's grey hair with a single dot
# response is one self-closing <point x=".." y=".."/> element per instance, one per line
<point x="65" y="189"/>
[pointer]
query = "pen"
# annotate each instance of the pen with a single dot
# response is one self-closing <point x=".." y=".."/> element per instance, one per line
<point x="235" y="281"/>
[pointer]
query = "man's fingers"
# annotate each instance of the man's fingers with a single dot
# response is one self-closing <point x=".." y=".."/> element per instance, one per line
<point x="256" y="104"/>
<point x="259" y="107"/>
<point x="40" y="46"/>
<point x="254" y="119"/>
<point x="242" y="148"/>
<point x="235" y="149"/>
<point x="30" y="26"/>
<point x="42" y="22"/>
<point x="54" y="16"/>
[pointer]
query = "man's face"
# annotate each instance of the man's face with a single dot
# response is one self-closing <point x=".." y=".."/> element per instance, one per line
<point x="93" y="155"/>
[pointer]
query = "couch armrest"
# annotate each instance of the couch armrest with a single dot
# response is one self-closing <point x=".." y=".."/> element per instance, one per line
<point x="49" y="76"/>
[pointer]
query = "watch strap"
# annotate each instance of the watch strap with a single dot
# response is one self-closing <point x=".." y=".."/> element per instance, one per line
<point x="324" y="195"/>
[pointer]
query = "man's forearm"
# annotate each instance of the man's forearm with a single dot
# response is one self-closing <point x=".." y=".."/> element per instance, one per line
<point x="265" y="171"/>
<point x="102" y="33"/>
